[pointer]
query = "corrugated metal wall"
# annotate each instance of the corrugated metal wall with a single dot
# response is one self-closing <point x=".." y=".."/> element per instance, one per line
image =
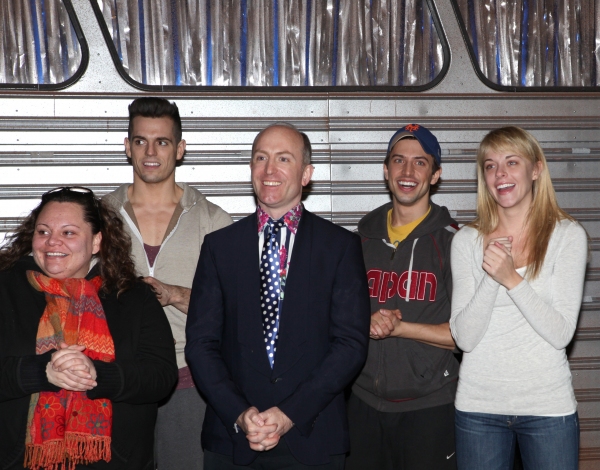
<point x="76" y="137"/>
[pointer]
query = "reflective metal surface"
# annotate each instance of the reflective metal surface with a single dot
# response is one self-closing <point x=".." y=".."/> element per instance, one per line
<point x="37" y="43"/>
<point x="275" y="42"/>
<point x="535" y="43"/>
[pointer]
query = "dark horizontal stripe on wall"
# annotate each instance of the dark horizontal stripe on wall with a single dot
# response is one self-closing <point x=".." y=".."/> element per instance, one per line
<point x="587" y="334"/>
<point x="242" y="157"/>
<point x="589" y="424"/>
<point x="213" y="157"/>
<point x="585" y="363"/>
<point x="587" y="394"/>
<point x="466" y="216"/>
<point x="589" y="453"/>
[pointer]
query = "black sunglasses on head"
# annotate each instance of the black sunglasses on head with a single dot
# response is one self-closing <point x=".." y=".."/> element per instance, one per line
<point x="79" y="190"/>
<point x="69" y="189"/>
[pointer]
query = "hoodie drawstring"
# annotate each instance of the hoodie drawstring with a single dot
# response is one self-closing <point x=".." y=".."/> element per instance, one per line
<point x="410" y="265"/>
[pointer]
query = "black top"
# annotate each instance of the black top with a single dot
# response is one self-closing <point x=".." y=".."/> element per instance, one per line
<point x="144" y="370"/>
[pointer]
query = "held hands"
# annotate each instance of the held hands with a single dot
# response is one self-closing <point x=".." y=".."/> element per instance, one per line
<point x="499" y="264"/>
<point x="70" y="369"/>
<point x="384" y="322"/>
<point x="263" y="430"/>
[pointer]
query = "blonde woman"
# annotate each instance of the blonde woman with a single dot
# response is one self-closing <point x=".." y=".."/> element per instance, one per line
<point x="518" y="273"/>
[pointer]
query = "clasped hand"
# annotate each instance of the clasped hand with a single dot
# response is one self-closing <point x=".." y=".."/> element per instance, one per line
<point x="71" y="370"/>
<point x="499" y="264"/>
<point x="384" y="322"/>
<point x="263" y="430"/>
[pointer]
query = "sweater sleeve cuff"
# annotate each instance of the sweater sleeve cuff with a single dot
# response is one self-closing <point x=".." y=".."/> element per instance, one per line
<point x="32" y="374"/>
<point x="109" y="377"/>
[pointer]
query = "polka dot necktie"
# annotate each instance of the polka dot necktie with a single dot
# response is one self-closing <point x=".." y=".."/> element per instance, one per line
<point x="270" y="290"/>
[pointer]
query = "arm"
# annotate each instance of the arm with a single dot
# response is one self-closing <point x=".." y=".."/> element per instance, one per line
<point x="149" y="373"/>
<point x="169" y="294"/>
<point x="22" y="376"/>
<point x="179" y="296"/>
<point x="389" y="323"/>
<point x="556" y="321"/>
<point x="204" y="330"/>
<point x="472" y="301"/>
<point x="348" y="332"/>
<point x="434" y="335"/>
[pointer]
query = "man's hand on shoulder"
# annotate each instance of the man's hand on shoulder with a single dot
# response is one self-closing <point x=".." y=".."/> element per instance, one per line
<point x="168" y="294"/>
<point x="384" y="322"/>
<point x="260" y="435"/>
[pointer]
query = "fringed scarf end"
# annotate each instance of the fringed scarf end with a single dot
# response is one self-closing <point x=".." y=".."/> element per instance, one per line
<point x="83" y="448"/>
<point x="75" y="449"/>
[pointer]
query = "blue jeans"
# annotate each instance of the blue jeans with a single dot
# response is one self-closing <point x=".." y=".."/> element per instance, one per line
<point x="487" y="441"/>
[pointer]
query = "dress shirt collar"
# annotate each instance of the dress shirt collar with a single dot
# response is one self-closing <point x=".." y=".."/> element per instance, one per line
<point x="291" y="218"/>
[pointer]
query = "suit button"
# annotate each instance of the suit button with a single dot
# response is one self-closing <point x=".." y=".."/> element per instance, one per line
<point x="278" y="379"/>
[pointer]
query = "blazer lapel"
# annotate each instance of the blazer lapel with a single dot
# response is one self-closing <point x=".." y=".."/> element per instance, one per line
<point x="292" y="322"/>
<point x="249" y="317"/>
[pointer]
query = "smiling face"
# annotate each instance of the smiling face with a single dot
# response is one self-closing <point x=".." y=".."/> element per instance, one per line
<point x="410" y="174"/>
<point x="153" y="150"/>
<point x="278" y="174"/>
<point x="63" y="242"/>
<point x="509" y="178"/>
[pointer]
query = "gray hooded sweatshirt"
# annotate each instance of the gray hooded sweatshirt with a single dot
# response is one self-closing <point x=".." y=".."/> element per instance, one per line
<point x="402" y="374"/>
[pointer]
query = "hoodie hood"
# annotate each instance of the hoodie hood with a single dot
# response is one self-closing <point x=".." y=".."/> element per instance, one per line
<point x="374" y="224"/>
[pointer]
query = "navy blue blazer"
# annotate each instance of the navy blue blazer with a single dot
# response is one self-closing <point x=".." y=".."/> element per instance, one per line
<point x="323" y="337"/>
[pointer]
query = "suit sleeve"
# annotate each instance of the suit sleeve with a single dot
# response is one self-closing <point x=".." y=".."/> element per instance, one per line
<point x="204" y="330"/>
<point x="350" y="315"/>
<point x="150" y="373"/>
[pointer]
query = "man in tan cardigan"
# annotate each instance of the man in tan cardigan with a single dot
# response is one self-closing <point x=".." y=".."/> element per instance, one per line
<point x="167" y="222"/>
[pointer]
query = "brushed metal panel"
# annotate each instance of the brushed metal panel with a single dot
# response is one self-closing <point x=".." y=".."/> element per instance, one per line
<point x="27" y="107"/>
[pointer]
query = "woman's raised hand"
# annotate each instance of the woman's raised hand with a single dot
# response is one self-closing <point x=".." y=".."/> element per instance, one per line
<point x="499" y="264"/>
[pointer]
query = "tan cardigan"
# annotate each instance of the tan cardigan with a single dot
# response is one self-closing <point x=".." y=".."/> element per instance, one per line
<point x="180" y="250"/>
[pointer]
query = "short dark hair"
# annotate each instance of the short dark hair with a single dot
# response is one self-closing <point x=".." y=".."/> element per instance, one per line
<point x="386" y="162"/>
<point x="152" y="107"/>
<point x="306" y="148"/>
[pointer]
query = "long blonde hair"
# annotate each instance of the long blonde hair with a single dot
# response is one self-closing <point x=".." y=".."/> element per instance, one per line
<point x="543" y="214"/>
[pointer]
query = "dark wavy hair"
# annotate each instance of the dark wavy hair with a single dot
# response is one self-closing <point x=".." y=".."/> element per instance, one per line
<point x="117" y="269"/>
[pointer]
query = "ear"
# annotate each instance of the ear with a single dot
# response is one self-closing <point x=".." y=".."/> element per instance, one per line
<point x="307" y="174"/>
<point x="537" y="170"/>
<point x="181" y="149"/>
<point x="96" y="242"/>
<point x="127" y="147"/>
<point x="436" y="176"/>
<point x="385" y="172"/>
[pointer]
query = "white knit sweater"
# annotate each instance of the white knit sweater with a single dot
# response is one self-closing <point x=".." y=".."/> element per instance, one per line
<point x="514" y="341"/>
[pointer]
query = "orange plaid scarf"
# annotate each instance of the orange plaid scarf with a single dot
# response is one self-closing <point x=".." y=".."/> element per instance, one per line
<point x="67" y="428"/>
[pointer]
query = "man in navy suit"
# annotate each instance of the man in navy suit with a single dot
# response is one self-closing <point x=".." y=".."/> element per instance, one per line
<point x="278" y="322"/>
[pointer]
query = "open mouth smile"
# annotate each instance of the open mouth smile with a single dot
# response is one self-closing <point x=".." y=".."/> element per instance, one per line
<point x="406" y="185"/>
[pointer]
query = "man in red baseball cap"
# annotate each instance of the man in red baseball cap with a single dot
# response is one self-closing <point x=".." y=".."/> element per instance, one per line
<point x="401" y="411"/>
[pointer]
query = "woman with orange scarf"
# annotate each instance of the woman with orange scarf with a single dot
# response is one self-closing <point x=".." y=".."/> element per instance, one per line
<point x="86" y="351"/>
